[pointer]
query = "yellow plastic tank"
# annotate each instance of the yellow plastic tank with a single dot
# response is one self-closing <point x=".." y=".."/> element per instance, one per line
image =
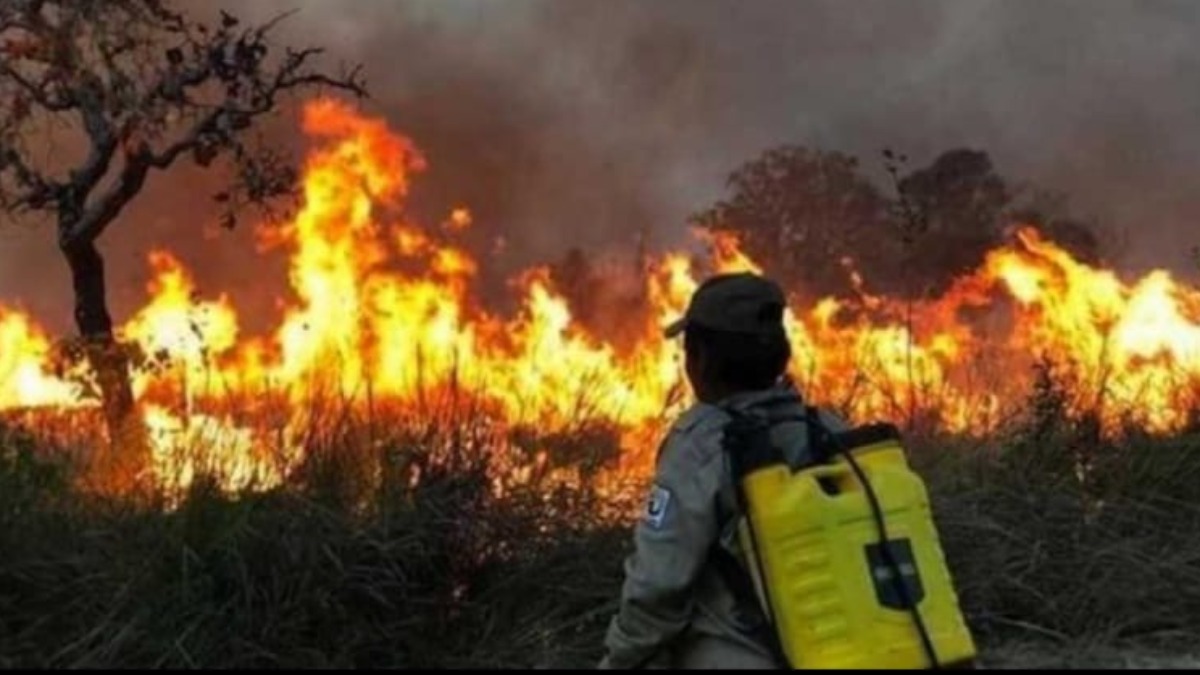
<point x="830" y="588"/>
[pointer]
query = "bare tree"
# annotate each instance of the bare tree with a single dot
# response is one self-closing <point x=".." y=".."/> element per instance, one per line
<point x="141" y="87"/>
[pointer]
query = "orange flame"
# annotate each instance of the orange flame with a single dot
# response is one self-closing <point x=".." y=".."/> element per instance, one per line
<point x="385" y="311"/>
<point x="24" y="355"/>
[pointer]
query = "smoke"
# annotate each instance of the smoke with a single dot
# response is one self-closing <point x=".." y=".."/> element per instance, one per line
<point x="560" y="122"/>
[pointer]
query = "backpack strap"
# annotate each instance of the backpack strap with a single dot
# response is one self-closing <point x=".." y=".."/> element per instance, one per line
<point x="746" y="599"/>
<point x="820" y="436"/>
<point x="732" y="570"/>
<point x="739" y="459"/>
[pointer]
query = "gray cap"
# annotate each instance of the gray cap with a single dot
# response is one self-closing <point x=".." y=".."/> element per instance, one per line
<point x="741" y="302"/>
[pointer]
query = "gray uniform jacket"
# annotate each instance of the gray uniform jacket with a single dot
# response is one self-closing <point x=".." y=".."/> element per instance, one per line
<point x="676" y="611"/>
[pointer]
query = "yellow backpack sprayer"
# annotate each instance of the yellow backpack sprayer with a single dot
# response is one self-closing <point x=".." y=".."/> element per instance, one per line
<point x="842" y="555"/>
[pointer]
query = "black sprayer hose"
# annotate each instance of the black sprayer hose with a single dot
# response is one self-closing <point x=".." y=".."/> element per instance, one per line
<point x="901" y="586"/>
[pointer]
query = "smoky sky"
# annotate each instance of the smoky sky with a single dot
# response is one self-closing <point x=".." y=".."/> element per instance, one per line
<point x="573" y="122"/>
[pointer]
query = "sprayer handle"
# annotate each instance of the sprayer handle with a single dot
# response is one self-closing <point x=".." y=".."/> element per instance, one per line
<point x="829" y="471"/>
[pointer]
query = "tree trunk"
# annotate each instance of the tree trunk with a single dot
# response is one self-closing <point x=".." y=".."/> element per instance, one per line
<point x="116" y="468"/>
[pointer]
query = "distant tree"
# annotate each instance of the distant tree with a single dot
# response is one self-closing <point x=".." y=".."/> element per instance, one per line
<point x="1077" y="237"/>
<point x="1050" y="214"/>
<point x="799" y="211"/>
<point x="607" y="295"/>
<point x="962" y="202"/>
<point x="140" y="87"/>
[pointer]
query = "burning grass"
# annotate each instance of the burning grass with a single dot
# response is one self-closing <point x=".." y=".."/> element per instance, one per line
<point x="420" y="561"/>
<point x="382" y="312"/>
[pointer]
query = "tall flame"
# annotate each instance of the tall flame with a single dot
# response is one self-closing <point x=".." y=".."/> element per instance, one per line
<point x="385" y="311"/>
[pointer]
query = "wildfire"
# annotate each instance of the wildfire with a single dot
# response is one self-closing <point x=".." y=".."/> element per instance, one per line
<point x="24" y="354"/>
<point x="385" y="317"/>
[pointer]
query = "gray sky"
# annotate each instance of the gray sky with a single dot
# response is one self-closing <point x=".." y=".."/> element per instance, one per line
<point x="578" y="121"/>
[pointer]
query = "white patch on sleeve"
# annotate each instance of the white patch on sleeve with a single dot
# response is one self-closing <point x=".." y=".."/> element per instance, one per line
<point x="656" y="506"/>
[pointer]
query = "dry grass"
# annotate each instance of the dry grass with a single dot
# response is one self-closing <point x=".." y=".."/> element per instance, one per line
<point x="435" y="575"/>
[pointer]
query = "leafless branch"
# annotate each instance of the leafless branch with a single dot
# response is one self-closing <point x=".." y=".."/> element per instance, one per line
<point x="103" y="144"/>
<point x="33" y="190"/>
<point x="54" y="102"/>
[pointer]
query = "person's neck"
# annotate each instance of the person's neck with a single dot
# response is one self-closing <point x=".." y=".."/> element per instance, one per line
<point x="716" y="395"/>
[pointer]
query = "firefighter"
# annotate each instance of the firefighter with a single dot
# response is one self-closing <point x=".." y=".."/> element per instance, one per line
<point x="682" y="604"/>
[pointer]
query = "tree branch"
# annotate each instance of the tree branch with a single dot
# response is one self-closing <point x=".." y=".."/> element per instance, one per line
<point x="189" y="141"/>
<point x="287" y="78"/>
<point x="103" y="142"/>
<point x="233" y="117"/>
<point x="124" y="109"/>
<point x="97" y="217"/>
<point x="28" y="18"/>
<point x="267" y="27"/>
<point x="36" y="191"/>
<point x="171" y="86"/>
<point x="37" y="91"/>
<point x="351" y="83"/>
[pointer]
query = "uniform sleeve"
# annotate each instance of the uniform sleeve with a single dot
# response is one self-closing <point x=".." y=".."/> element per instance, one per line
<point x="671" y="544"/>
<point x="832" y="420"/>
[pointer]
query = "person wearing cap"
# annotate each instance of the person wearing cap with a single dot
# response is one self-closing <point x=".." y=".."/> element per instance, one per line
<point x="678" y="608"/>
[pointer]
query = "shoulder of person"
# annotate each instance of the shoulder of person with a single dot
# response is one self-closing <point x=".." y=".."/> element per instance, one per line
<point x="695" y="437"/>
<point x="832" y="420"/>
